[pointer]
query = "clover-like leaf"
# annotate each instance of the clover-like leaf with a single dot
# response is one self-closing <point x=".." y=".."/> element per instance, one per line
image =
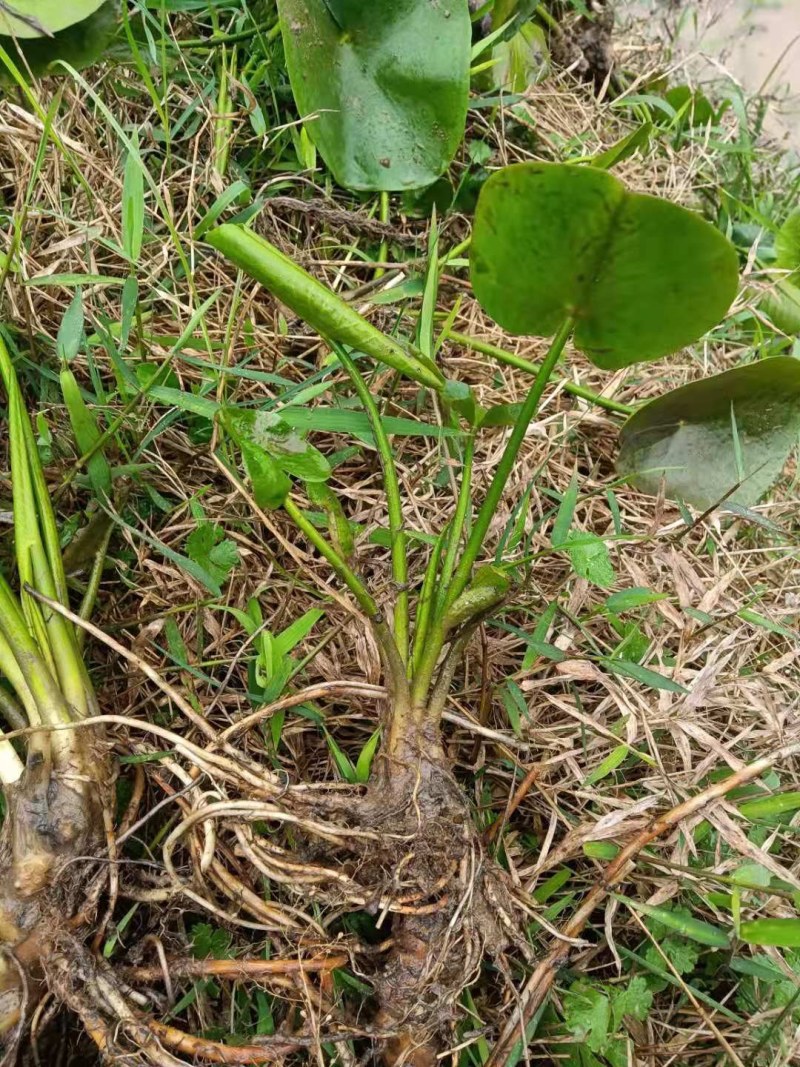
<point x="642" y="277"/>
<point x="384" y="85"/>
<point x="733" y="431"/>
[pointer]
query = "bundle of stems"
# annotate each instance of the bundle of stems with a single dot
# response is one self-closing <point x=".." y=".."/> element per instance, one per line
<point x="52" y="776"/>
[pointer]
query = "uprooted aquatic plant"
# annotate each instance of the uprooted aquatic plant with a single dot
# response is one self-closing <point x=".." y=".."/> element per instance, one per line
<point x="55" y="775"/>
<point x="556" y="250"/>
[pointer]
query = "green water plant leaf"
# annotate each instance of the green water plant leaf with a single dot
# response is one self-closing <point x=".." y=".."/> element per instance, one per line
<point x="642" y="277"/>
<point x="77" y="32"/>
<point x="42" y="18"/>
<point x="384" y="85"/>
<point x="733" y="429"/>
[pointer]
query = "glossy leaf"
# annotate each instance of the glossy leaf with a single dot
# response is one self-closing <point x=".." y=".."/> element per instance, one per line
<point x="706" y="437"/>
<point x="267" y="431"/>
<point x="383" y="84"/>
<point x="641" y="276"/>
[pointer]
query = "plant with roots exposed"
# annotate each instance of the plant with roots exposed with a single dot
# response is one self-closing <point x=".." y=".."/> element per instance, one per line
<point x="560" y="251"/>
<point x="54" y="789"/>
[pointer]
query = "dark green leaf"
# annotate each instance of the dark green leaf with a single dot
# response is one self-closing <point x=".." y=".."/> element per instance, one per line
<point x="693" y="106"/>
<point x="384" y="85"/>
<point x="686" y="437"/>
<point x="641" y="276"/>
<point x="641" y="674"/>
<point x="624" y="148"/>
<point x="210" y="941"/>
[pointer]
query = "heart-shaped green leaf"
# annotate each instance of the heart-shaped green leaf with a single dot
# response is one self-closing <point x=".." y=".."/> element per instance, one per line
<point x="267" y="432"/>
<point x="642" y="277"/>
<point x="384" y="84"/>
<point x="707" y="437"/>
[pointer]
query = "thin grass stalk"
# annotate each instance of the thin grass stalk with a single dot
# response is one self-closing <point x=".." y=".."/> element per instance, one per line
<point x="393" y="500"/>
<point x="383" y="635"/>
<point x="494" y="494"/>
<point x="459" y="519"/>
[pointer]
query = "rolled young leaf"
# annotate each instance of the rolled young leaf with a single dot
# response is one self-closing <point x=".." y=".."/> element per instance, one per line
<point x="642" y="277"/>
<point x="314" y="302"/>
